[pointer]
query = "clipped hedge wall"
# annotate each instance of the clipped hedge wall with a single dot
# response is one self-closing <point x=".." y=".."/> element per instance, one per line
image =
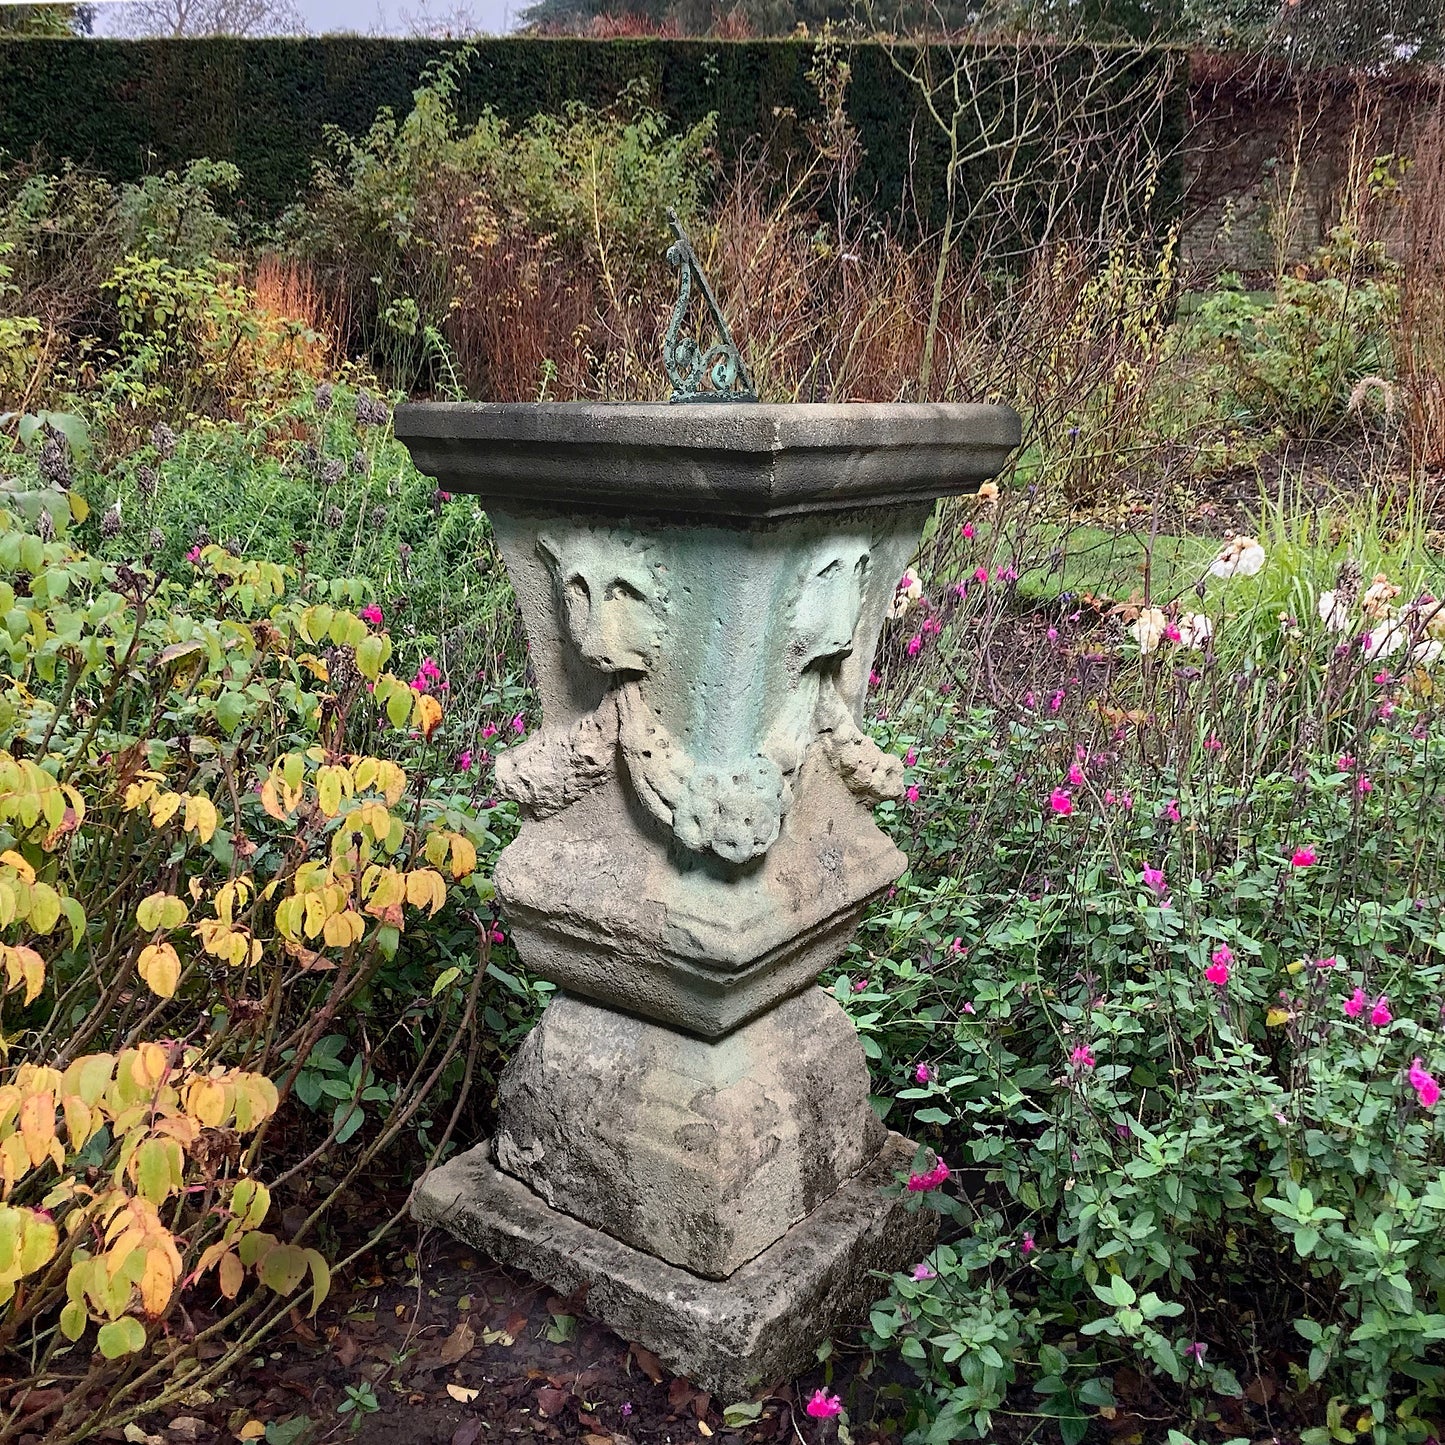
<point x="128" y="107"/>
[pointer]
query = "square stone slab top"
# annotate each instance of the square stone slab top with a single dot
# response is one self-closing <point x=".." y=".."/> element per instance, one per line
<point x="747" y="460"/>
<point x="761" y="1325"/>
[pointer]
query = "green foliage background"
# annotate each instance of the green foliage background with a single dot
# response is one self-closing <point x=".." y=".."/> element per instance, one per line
<point x="266" y="104"/>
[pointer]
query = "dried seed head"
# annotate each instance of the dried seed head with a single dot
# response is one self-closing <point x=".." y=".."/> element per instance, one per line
<point x="370" y="411"/>
<point x="147" y="481"/>
<point x="1347" y="583"/>
<point x="324" y="396"/>
<point x="332" y="471"/>
<point x="163" y="439"/>
<point x="45" y="526"/>
<point x="55" y="462"/>
<point x="110" y="522"/>
<point x="361" y="464"/>
<point x="341" y="668"/>
<point x="379" y="517"/>
<point x="334" y="517"/>
<point x="156" y="540"/>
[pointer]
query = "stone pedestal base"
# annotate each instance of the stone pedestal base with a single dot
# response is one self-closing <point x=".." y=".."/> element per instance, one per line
<point x="761" y="1324"/>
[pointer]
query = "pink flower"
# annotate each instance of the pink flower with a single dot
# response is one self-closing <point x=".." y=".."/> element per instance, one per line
<point x="1056" y="701"/>
<point x="519" y="724"/>
<point x="1346" y="763"/>
<point x="915" y="645"/>
<point x="968" y="1008"/>
<point x="1171" y="810"/>
<point x="956" y="948"/>
<point x="1154" y="878"/>
<point x="1026" y="1244"/>
<point x="464" y="761"/>
<point x="1380" y="1015"/>
<point x="1384" y="679"/>
<point x="1331" y="962"/>
<point x="968" y="531"/>
<point x="910" y="758"/>
<point x="1427" y="1091"/>
<point x="1060" y="802"/>
<point x="193" y="556"/>
<point x="1355" y="1004"/>
<point x="371" y="614"/>
<point x="1218" y="971"/>
<point x="930" y="1180"/>
<point x="1076" y="775"/>
<point x="931" y="627"/>
<point x="873" y="679"/>
<point x="1303" y="857"/>
<point x="489" y="730"/>
<point x="823" y="1406"/>
<point x="860" y="986"/>
<point x="1195" y="1351"/>
<point x="924" y="1271"/>
<point x="497" y="935"/>
<point x="923" y="1074"/>
<point x="1081" y="1058"/>
<point x="980" y="574"/>
<point x="1213" y="743"/>
<point x="912" y="793"/>
<point x="1364" y="785"/>
<point x="1172" y="633"/>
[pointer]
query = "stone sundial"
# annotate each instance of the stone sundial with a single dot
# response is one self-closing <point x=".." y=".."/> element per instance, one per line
<point x="687" y="1132"/>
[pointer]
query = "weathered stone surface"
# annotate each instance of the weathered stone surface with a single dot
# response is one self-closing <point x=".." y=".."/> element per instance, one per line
<point x="760" y="1325"/>
<point x="745" y="460"/>
<point x="703" y="1154"/>
<point x="601" y="903"/>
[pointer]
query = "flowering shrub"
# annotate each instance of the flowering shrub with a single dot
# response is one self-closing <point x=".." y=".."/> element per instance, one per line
<point x="1165" y="984"/>
<point x="221" y="819"/>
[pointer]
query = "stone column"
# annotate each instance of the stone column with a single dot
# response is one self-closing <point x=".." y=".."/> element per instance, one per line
<point x="687" y="1131"/>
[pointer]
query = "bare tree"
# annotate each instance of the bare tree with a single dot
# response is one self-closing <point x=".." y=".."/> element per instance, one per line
<point x="179" y="18"/>
<point x="442" y="19"/>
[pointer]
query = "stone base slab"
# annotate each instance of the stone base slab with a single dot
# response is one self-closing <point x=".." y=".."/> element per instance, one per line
<point x="760" y="1325"/>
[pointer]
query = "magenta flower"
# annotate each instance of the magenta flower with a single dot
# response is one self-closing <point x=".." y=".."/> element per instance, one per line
<point x="1060" y="802"/>
<point x="1380" y="1015"/>
<point x="980" y="574"/>
<point x="968" y="531"/>
<point x="489" y="730"/>
<point x="860" y="986"/>
<point x="1346" y="763"/>
<point x="464" y="761"/>
<point x="823" y="1406"/>
<point x="1330" y="962"/>
<point x="1154" y="878"/>
<point x="371" y="614"/>
<point x="1427" y="1090"/>
<point x="1026" y="1244"/>
<point x="1195" y="1351"/>
<point x="912" y="793"/>
<point x="519" y="724"/>
<point x="915" y="645"/>
<point x="1076" y="775"/>
<point x="1171" y="810"/>
<point x="873" y="678"/>
<point x="193" y="556"/>
<point x="929" y="1180"/>
<point x="1056" y="701"/>
<point x="1304" y="857"/>
<point x="1384" y="679"/>
<point x="1213" y="743"/>
<point x="1218" y="971"/>
<point x="925" y="1271"/>
<point x="1355" y="1004"/>
<point x="497" y="935"/>
<point x="923" y="1074"/>
<point x="1364" y="785"/>
<point x="1081" y="1058"/>
<point x="910" y="758"/>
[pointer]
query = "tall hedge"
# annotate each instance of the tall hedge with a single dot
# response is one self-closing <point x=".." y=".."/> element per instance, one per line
<point x="128" y="107"/>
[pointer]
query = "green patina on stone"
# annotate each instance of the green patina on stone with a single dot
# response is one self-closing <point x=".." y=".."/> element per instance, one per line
<point x="703" y="589"/>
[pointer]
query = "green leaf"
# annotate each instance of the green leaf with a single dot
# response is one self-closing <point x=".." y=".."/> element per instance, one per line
<point x="743" y="1413"/>
<point x="284" y="1267"/>
<point x="121" y="1337"/>
<point x="445" y="978"/>
<point x="73" y="1320"/>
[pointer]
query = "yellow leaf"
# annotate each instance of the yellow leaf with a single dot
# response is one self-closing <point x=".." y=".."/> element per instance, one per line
<point x="158" y="1280"/>
<point x="1276" y="1017"/>
<point x="37" y="1125"/>
<point x="161" y="910"/>
<point x="164" y="808"/>
<point x="19" y="864"/>
<point x="251" y="1430"/>
<point x="426" y="714"/>
<point x="425" y="888"/>
<point x="160" y="967"/>
<point x="464" y="856"/>
<point x="232" y="1275"/>
<point x="201" y="817"/>
<point x="206" y="1100"/>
